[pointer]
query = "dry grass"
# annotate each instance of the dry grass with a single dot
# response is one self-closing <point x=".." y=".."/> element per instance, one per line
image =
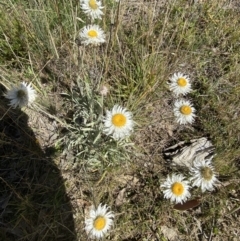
<point x="45" y="187"/>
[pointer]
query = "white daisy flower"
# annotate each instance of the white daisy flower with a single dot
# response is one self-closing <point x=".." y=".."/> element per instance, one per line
<point x="92" y="34"/>
<point x="118" y="122"/>
<point x="99" y="221"/>
<point x="184" y="111"/>
<point x="21" y="95"/>
<point x="203" y="174"/>
<point x="180" y="84"/>
<point x="92" y="8"/>
<point x="176" y="189"/>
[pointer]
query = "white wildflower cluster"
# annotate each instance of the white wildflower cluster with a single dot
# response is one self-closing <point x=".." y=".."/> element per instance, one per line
<point x="184" y="111"/>
<point x="202" y="175"/>
<point x="118" y="124"/>
<point x="176" y="186"/>
<point x="92" y="34"/>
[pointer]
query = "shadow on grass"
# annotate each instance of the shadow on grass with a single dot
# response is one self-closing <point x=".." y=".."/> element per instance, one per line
<point x="33" y="201"/>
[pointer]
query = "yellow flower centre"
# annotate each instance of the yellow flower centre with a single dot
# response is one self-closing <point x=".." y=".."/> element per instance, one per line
<point x="93" y="4"/>
<point x="186" y="110"/>
<point x="21" y="94"/>
<point x="119" y="120"/>
<point x="92" y="33"/>
<point x="177" y="188"/>
<point x="99" y="223"/>
<point x="207" y="173"/>
<point x="182" y="82"/>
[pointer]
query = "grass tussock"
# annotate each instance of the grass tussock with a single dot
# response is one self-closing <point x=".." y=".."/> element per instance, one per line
<point x="51" y="177"/>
